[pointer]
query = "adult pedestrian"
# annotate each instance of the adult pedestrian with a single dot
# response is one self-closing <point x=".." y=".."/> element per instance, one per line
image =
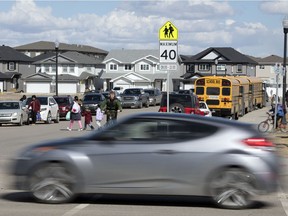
<point x="23" y="98"/>
<point x="111" y="106"/>
<point x="75" y="115"/>
<point x="35" y="107"/>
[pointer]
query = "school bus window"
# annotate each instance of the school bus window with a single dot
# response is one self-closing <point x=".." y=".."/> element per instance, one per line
<point x="213" y="91"/>
<point x="199" y="90"/>
<point x="225" y="91"/>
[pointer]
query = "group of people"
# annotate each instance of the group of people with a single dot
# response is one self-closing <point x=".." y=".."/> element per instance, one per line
<point x="34" y="107"/>
<point x="110" y="106"/>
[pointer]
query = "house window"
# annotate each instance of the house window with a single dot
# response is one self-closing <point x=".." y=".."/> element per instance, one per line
<point x="190" y="68"/>
<point x="261" y="66"/>
<point x="239" y="68"/>
<point x="144" y="67"/>
<point x="71" y="68"/>
<point x="127" y="67"/>
<point x="53" y="68"/>
<point x="11" y="66"/>
<point x="46" y="68"/>
<point x="65" y="68"/>
<point x="89" y="67"/>
<point x="113" y="67"/>
<point x="203" y="67"/>
<point x="221" y="67"/>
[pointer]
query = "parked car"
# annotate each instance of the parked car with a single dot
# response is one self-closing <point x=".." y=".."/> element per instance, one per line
<point x="49" y="109"/>
<point x="13" y="112"/>
<point x="154" y="154"/>
<point x="64" y="103"/>
<point x="181" y="103"/>
<point x="134" y="98"/>
<point x="155" y="96"/>
<point x="91" y="100"/>
<point x="204" y="108"/>
<point x="117" y="95"/>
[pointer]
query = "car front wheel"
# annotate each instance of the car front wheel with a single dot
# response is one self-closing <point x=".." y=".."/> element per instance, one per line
<point x="52" y="183"/>
<point x="49" y="118"/>
<point x="232" y="188"/>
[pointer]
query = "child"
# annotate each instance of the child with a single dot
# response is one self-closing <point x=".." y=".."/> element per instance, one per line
<point x="88" y="119"/>
<point x="99" y="116"/>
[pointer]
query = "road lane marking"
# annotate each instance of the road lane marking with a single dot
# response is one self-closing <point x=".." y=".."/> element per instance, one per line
<point x="75" y="210"/>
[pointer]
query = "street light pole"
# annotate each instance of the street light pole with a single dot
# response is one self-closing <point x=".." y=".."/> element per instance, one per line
<point x="56" y="77"/>
<point x="285" y="29"/>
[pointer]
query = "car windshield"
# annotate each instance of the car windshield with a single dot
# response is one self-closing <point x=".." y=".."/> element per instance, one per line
<point x="9" y="105"/>
<point x="132" y="91"/>
<point x="62" y="100"/>
<point x="184" y="99"/>
<point x="42" y="100"/>
<point x="150" y="92"/>
<point x="92" y="97"/>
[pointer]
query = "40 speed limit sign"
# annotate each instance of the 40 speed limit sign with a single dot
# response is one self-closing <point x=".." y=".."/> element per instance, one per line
<point x="168" y="51"/>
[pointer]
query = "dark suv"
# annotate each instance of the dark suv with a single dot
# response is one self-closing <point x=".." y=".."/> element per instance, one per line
<point x="181" y="103"/>
<point x="91" y="100"/>
<point x="64" y="103"/>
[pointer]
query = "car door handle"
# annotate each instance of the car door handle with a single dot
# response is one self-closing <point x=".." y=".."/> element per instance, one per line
<point x="166" y="151"/>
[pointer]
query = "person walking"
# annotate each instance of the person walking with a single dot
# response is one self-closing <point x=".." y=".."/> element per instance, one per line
<point x="75" y="110"/>
<point x="35" y="107"/>
<point x="99" y="116"/>
<point x="87" y="119"/>
<point x="111" y="107"/>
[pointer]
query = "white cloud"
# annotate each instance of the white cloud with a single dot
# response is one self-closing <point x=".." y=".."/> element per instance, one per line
<point x="275" y="7"/>
<point x="251" y="28"/>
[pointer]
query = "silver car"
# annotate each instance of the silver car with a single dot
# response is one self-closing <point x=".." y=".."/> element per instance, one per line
<point x="13" y="112"/>
<point x="154" y="154"/>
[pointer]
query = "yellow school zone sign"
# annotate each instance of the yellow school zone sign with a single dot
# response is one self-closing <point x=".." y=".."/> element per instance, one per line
<point x="168" y="32"/>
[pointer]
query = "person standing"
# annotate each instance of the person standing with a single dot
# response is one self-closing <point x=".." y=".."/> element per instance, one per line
<point x="99" y="116"/>
<point x="87" y="119"/>
<point x="35" y="106"/>
<point x="75" y="115"/>
<point x="23" y="98"/>
<point x="111" y="106"/>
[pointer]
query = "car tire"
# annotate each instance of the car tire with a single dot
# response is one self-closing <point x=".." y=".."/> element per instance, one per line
<point x="232" y="188"/>
<point x="52" y="183"/>
<point x="49" y="118"/>
<point x="176" y="108"/>
<point x="154" y="102"/>
<point x="147" y="104"/>
<point x="57" y="118"/>
<point x="140" y="105"/>
<point x="21" y="121"/>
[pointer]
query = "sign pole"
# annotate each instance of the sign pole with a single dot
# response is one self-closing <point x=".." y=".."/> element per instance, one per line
<point x="168" y="95"/>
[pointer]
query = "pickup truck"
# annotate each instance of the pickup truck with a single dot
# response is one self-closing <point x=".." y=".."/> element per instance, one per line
<point x="134" y="98"/>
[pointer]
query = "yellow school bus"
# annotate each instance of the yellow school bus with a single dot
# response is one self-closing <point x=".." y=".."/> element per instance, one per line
<point x="231" y="96"/>
<point x="222" y="95"/>
<point x="256" y="93"/>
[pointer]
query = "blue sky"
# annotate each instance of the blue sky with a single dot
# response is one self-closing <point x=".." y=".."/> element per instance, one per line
<point x="251" y="27"/>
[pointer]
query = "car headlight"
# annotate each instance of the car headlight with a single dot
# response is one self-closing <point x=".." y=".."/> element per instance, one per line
<point x="14" y="114"/>
<point x="136" y="97"/>
<point x="43" y="109"/>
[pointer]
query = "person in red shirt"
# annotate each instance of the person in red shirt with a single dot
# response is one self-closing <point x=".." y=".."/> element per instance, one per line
<point x="88" y="119"/>
<point x="35" y="108"/>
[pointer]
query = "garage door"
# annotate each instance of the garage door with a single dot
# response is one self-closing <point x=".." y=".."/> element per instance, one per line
<point x="67" y="88"/>
<point x="1" y="86"/>
<point x="38" y="87"/>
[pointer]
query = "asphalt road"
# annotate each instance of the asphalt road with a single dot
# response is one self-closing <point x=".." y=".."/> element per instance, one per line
<point x="18" y="203"/>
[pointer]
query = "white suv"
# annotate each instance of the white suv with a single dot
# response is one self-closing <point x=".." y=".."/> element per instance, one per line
<point x="49" y="110"/>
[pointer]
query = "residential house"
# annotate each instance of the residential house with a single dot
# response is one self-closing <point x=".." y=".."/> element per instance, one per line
<point x="137" y="68"/>
<point x="267" y="69"/>
<point x="217" y="61"/>
<point x="76" y="73"/>
<point x="13" y="65"/>
<point x="41" y="47"/>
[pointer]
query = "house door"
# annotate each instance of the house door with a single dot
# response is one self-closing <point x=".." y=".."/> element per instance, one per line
<point x="158" y="84"/>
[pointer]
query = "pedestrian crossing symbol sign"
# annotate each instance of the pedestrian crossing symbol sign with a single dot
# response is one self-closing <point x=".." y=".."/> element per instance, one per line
<point x="168" y="32"/>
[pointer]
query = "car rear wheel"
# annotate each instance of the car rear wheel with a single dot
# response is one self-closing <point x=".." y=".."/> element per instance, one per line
<point x="232" y="188"/>
<point x="176" y="108"/>
<point x="52" y="183"/>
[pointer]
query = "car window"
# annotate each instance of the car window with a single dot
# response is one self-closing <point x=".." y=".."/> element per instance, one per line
<point x="63" y="100"/>
<point x="92" y="97"/>
<point x="184" y="99"/>
<point x="9" y="105"/>
<point x="202" y="105"/>
<point x="158" y="130"/>
<point x="132" y="91"/>
<point x="150" y="92"/>
<point x="42" y="100"/>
